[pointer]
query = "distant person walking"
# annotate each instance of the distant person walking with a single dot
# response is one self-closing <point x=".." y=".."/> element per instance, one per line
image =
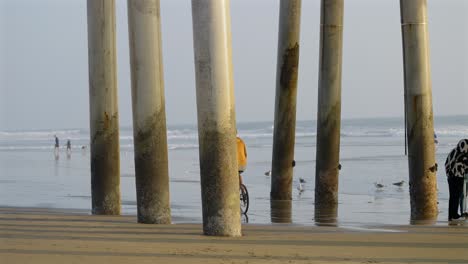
<point x="56" y="148"/>
<point x="68" y="147"/>
<point x="456" y="166"/>
<point x="241" y="157"/>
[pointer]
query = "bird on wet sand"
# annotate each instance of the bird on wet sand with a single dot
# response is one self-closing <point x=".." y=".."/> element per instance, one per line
<point x="268" y="173"/>
<point x="399" y="184"/>
<point x="300" y="188"/>
<point x="379" y="185"/>
<point x="301" y="180"/>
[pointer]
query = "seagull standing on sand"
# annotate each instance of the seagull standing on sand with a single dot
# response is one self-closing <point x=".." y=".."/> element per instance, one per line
<point x="379" y="185"/>
<point x="268" y="173"/>
<point x="399" y="184"/>
<point x="302" y="180"/>
<point x="300" y="188"/>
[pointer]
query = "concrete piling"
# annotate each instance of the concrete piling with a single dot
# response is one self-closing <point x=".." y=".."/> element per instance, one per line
<point x="420" y="127"/>
<point x="216" y="118"/>
<point x="149" y="114"/>
<point x="281" y="211"/>
<point x="285" y="102"/>
<point x="329" y="110"/>
<point x="104" y="118"/>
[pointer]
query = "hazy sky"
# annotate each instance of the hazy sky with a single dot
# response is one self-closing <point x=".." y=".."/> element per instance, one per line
<point x="44" y="78"/>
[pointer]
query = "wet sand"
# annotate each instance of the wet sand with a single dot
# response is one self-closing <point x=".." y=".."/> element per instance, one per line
<point x="33" y="235"/>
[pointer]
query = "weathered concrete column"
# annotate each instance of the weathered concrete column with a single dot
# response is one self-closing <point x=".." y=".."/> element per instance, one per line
<point x="104" y="117"/>
<point x="216" y="117"/>
<point x="420" y="128"/>
<point x="285" y="102"/>
<point x="329" y="109"/>
<point x="149" y="114"/>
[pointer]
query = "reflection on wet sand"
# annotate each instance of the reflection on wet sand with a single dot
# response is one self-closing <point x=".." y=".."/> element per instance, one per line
<point x="424" y="221"/>
<point x="326" y="214"/>
<point x="281" y="211"/>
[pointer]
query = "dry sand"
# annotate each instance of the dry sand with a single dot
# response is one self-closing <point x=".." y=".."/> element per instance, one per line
<point x="59" y="236"/>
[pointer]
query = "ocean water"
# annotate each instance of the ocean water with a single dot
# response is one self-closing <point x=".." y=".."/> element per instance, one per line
<point x="372" y="151"/>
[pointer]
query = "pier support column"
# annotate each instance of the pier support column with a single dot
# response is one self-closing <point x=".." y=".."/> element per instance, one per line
<point x="285" y="102"/>
<point x="216" y="118"/>
<point x="281" y="211"/>
<point x="329" y="110"/>
<point x="104" y="117"/>
<point x="149" y="114"/>
<point x="420" y="127"/>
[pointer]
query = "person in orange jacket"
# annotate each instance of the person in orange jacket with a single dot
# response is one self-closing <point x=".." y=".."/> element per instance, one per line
<point x="241" y="157"/>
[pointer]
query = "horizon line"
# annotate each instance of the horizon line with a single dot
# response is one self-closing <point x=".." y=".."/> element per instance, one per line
<point x="241" y="122"/>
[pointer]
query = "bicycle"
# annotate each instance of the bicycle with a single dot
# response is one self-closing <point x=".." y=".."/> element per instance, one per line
<point x="244" y="199"/>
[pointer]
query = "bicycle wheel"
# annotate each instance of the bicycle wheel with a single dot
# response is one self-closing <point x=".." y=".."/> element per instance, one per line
<point x="244" y="199"/>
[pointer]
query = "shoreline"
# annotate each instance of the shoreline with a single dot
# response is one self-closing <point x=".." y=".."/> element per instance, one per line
<point x="177" y="220"/>
<point x="372" y="152"/>
<point x="41" y="235"/>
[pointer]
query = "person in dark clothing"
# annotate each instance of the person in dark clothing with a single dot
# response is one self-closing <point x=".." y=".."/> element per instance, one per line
<point x="456" y="165"/>
<point x="68" y="148"/>
<point x="463" y="197"/>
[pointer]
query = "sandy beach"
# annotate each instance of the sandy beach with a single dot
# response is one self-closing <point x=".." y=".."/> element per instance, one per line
<point x="33" y="235"/>
<point x="348" y="116"/>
